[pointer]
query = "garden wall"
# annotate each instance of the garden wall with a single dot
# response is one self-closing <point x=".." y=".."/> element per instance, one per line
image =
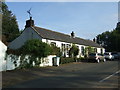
<point x="12" y="62"/>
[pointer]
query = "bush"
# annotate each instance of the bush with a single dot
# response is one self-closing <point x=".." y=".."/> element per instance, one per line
<point x="74" y="51"/>
<point x="34" y="49"/>
<point x="66" y="60"/>
<point x="55" y="51"/>
<point x="82" y="59"/>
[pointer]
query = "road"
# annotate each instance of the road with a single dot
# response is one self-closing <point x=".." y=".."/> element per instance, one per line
<point x="75" y="75"/>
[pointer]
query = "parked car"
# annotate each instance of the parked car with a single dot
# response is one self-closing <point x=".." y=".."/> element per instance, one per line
<point x="119" y="55"/>
<point x="115" y="54"/>
<point x="97" y="57"/>
<point x="109" y="56"/>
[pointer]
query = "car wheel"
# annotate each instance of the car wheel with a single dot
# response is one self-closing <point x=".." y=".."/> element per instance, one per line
<point x="104" y="60"/>
<point x="98" y="60"/>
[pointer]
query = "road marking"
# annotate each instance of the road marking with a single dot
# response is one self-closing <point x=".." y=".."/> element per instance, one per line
<point x="109" y="76"/>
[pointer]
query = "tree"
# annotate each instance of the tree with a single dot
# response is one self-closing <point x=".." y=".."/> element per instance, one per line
<point x="74" y="51"/>
<point x="10" y="28"/>
<point x="110" y="40"/>
<point x="89" y="50"/>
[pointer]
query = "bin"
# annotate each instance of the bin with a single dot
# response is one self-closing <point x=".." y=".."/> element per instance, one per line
<point x="56" y="61"/>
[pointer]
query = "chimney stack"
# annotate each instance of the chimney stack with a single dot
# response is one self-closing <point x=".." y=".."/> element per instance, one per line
<point x="29" y="23"/>
<point x="73" y="34"/>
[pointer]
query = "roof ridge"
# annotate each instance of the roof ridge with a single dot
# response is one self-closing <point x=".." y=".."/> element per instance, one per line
<point x="52" y="30"/>
<point x="54" y="35"/>
<point x="36" y="31"/>
<point x="57" y="32"/>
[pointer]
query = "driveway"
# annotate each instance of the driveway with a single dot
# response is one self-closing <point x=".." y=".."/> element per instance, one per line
<point x="73" y="75"/>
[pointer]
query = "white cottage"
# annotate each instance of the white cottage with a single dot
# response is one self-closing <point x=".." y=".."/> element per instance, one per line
<point x="3" y="49"/>
<point x="61" y="40"/>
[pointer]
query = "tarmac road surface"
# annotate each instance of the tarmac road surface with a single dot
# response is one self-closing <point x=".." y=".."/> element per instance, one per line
<point x="75" y="75"/>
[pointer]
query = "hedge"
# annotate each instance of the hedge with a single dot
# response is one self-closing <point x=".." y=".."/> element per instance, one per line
<point x="66" y="60"/>
<point x="69" y="60"/>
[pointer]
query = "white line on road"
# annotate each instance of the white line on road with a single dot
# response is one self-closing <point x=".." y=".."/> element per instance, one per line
<point x="109" y="76"/>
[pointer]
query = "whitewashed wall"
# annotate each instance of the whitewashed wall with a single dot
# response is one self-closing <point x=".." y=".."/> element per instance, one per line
<point x="48" y="61"/>
<point x="9" y="64"/>
<point x="27" y="34"/>
<point x="59" y="43"/>
<point x="99" y="50"/>
<point x="3" y="49"/>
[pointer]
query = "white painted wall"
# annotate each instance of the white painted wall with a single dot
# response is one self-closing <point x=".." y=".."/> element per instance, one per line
<point x="48" y="61"/>
<point x="3" y="49"/>
<point x="9" y="63"/>
<point x="103" y="50"/>
<point x="27" y="34"/>
<point x="58" y="44"/>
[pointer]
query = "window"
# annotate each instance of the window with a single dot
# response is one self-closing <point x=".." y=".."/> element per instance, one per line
<point x="68" y="48"/>
<point x="53" y="43"/>
<point x="63" y="47"/>
<point x="95" y="49"/>
<point x="82" y="50"/>
<point x="101" y="51"/>
<point x="46" y="40"/>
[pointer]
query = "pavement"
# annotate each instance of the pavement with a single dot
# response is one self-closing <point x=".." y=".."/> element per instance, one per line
<point x="72" y="75"/>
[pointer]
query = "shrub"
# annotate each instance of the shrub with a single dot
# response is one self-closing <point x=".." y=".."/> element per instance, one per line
<point x="66" y="60"/>
<point x="74" y="51"/>
<point x="82" y="59"/>
<point x="35" y="49"/>
<point x="55" y="51"/>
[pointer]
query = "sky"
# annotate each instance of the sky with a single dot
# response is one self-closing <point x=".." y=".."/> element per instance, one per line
<point x="86" y="19"/>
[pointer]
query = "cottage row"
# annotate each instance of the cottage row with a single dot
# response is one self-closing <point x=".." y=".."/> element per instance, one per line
<point x="51" y="37"/>
<point x="63" y="41"/>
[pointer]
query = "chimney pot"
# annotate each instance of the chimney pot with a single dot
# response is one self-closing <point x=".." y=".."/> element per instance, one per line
<point x="29" y="23"/>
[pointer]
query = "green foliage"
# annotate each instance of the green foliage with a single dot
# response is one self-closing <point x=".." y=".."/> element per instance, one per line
<point x="82" y="59"/>
<point x="28" y="62"/>
<point x="36" y="48"/>
<point x="74" y="51"/>
<point x="110" y="40"/>
<point x="55" y="51"/>
<point x="66" y="60"/>
<point x="10" y="28"/>
<point x="88" y="50"/>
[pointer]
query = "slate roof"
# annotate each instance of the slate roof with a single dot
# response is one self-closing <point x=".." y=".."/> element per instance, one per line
<point x="53" y="35"/>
